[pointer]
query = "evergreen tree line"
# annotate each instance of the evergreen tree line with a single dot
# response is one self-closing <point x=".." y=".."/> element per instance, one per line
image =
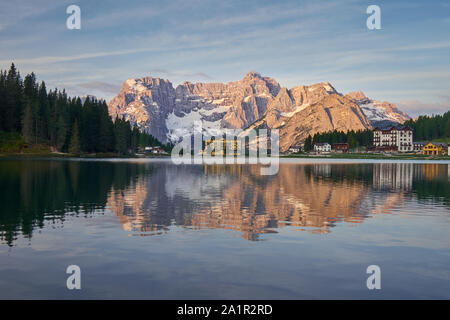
<point x="360" y="138"/>
<point x="66" y="124"/>
<point x="428" y="128"/>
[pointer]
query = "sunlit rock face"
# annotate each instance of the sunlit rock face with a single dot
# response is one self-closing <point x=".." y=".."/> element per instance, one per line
<point x="169" y="113"/>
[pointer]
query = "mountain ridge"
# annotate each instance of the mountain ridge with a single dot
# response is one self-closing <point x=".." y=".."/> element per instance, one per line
<point x="168" y="113"/>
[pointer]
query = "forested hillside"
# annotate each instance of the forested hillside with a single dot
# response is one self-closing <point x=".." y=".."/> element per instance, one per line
<point x="30" y="116"/>
<point x="430" y="127"/>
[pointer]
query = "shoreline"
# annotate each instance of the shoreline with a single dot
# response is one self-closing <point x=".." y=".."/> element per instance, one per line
<point x="361" y="156"/>
<point x="370" y="156"/>
<point x="282" y="159"/>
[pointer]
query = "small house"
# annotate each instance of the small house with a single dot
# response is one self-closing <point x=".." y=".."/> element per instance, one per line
<point x="340" y="147"/>
<point x="324" y="147"/>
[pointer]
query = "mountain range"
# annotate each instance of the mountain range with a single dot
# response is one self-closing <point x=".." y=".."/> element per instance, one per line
<point x="168" y="113"/>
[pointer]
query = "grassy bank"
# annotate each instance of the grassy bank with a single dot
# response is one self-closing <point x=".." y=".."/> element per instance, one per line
<point x="13" y="144"/>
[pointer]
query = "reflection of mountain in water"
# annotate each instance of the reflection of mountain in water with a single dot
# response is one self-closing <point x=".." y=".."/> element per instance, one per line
<point x="148" y="198"/>
<point x="311" y="197"/>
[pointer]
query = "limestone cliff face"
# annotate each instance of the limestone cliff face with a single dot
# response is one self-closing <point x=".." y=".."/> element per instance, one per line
<point x="333" y="112"/>
<point x="145" y="102"/>
<point x="304" y="111"/>
<point x="169" y="113"/>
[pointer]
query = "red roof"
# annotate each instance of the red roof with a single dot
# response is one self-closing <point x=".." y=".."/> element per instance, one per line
<point x="399" y="128"/>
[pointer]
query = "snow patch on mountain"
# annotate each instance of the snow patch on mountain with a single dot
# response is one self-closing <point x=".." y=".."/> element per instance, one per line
<point x="375" y="113"/>
<point x="378" y="112"/>
<point x="296" y="110"/>
<point x="185" y="123"/>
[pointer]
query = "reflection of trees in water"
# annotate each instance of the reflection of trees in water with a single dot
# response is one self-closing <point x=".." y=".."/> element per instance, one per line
<point x="147" y="198"/>
<point x="38" y="191"/>
<point x="431" y="183"/>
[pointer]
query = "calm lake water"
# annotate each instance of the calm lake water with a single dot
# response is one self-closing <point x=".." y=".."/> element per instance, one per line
<point x="154" y="230"/>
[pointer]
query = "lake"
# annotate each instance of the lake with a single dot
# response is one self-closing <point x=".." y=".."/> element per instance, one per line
<point x="149" y="229"/>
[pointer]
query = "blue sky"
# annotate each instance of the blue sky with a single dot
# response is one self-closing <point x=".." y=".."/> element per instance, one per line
<point x="296" y="42"/>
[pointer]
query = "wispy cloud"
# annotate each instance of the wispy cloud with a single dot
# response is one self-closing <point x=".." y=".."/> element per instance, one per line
<point x="180" y="74"/>
<point x="296" y="42"/>
<point x="385" y="76"/>
<point x="107" y="19"/>
<point x="101" y="86"/>
<point x="416" y="108"/>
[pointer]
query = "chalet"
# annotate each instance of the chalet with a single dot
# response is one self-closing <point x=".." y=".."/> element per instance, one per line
<point x="322" y="147"/>
<point x="340" y="147"/>
<point x="435" y="149"/>
<point x="396" y="138"/>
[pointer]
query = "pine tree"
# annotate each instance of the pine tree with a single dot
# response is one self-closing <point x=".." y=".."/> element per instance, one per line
<point x="121" y="136"/>
<point x="106" y="135"/>
<point x="61" y="130"/>
<point x="308" y="144"/>
<point x="74" y="147"/>
<point x="2" y="99"/>
<point x="43" y="113"/>
<point x="13" y="101"/>
<point x="27" y="125"/>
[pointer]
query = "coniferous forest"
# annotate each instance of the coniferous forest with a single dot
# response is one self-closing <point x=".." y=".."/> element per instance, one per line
<point x="32" y="116"/>
<point x="428" y="128"/>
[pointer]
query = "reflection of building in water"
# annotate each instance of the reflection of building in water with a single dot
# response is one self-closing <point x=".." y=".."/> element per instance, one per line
<point x="323" y="170"/>
<point x="430" y="171"/>
<point x="392" y="176"/>
<point x="222" y="169"/>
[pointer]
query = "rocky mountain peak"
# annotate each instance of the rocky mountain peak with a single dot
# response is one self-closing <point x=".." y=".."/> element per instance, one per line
<point x="169" y="113"/>
<point x="356" y="96"/>
<point x="326" y="86"/>
<point x="252" y="75"/>
<point x="147" y="83"/>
